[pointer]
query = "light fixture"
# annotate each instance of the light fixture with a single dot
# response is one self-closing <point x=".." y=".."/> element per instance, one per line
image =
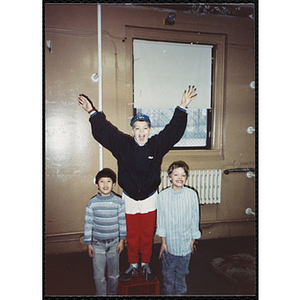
<point x="249" y="211"/>
<point x="170" y="20"/>
<point x="95" y="77"/>
<point x="250" y="129"/>
<point x="250" y="174"/>
<point x="49" y="46"/>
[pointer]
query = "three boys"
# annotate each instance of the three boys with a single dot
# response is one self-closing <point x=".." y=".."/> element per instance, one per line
<point x="139" y="159"/>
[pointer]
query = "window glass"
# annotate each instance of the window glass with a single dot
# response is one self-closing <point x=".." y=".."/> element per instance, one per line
<point x="196" y="131"/>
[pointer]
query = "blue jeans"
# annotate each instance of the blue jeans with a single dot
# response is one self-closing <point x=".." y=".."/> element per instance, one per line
<point x="174" y="270"/>
<point x="106" y="256"/>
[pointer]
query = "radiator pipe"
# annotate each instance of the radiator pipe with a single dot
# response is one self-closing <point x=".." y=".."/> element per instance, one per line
<point x="226" y="221"/>
<point x="238" y="170"/>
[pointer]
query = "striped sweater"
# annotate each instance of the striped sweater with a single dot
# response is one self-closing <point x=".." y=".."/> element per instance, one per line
<point x="178" y="219"/>
<point x="104" y="219"/>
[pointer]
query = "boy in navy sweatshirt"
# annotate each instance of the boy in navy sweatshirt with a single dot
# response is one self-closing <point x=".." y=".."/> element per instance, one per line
<point x="105" y="232"/>
<point x="139" y="159"/>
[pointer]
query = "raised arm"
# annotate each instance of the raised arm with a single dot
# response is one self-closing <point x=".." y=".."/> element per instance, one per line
<point x="103" y="131"/>
<point x="188" y="96"/>
<point x="174" y="131"/>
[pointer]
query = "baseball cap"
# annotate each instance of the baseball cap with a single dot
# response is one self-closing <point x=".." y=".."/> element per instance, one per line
<point x="140" y="117"/>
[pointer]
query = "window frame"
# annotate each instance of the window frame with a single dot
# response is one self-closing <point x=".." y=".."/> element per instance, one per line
<point x="218" y="41"/>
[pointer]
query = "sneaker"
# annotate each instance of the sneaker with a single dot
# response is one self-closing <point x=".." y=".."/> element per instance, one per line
<point x="147" y="272"/>
<point x="126" y="275"/>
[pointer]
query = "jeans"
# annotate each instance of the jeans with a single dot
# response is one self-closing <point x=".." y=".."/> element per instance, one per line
<point x="174" y="270"/>
<point x="106" y="256"/>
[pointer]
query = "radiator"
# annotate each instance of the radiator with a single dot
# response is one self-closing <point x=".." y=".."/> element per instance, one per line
<point x="207" y="183"/>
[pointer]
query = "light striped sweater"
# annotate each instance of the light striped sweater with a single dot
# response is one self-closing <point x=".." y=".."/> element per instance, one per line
<point x="178" y="219"/>
<point x="104" y="219"/>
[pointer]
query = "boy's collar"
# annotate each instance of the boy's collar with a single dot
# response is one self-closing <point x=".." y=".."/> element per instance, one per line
<point x="138" y="144"/>
<point x="106" y="197"/>
<point x="178" y="191"/>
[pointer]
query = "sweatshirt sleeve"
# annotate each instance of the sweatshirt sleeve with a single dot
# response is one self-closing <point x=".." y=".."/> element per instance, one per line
<point x="107" y="134"/>
<point x="122" y="221"/>
<point x="88" y="225"/>
<point x="173" y="132"/>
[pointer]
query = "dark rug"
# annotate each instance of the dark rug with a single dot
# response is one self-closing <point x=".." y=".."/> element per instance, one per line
<point x="237" y="268"/>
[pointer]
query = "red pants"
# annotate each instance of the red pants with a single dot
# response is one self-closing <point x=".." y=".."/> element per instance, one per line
<point x="140" y="233"/>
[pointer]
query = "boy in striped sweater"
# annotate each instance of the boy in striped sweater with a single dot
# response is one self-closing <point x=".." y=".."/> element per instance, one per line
<point x="178" y="227"/>
<point x="105" y="232"/>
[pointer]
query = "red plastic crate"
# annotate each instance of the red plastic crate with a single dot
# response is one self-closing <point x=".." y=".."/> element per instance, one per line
<point x="137" y="285"/>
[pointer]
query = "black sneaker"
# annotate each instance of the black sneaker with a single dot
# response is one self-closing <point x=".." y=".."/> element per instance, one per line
<point x="147" y="272"/>
<point x="126" y="275"/>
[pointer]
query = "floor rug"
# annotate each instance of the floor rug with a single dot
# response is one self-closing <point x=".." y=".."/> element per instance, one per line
<point x="237" y="268"/>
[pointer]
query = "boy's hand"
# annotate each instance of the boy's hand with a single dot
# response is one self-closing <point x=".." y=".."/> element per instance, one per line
<point x="163" y="247"/>
<point x="85" y="103"/>
<point x="120" y="247"/>
<point x="188" y="96"/>
<point x="91" y="251"/>
<point x="193" y="246"/>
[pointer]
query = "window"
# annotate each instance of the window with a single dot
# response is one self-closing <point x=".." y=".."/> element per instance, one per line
<point x="205" y="122"/>
<point x="162" y="70"/>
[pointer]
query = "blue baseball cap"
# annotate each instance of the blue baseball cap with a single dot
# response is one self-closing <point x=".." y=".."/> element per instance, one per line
<point x="140" y="117"/>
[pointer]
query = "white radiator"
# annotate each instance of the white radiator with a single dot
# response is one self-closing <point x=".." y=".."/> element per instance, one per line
<point x="207" y="183"/>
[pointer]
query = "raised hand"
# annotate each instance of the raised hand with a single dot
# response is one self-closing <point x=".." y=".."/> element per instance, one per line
<point x="188" y="96"/>
<point x="85" y="103"/>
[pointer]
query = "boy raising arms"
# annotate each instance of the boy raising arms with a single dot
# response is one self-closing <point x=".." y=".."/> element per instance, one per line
<point x="139" y="159"/>
<point x="178" y="227"/>
<point x="104" y="223"/>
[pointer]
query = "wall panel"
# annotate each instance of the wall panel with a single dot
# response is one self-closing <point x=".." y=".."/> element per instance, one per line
<point x="72" y="157"/>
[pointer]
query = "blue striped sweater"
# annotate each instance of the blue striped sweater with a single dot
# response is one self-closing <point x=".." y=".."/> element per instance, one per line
<point x="104" y="219"/>
<point x="178" y="219"/>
